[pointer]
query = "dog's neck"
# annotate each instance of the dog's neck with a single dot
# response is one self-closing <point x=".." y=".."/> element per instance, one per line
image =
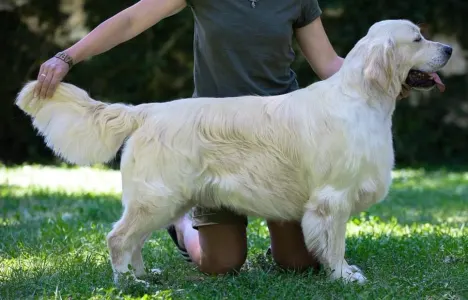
<point x="351" y="77"/>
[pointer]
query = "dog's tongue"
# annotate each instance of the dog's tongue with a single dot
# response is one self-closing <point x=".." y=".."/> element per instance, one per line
<point x="438" y="82"/>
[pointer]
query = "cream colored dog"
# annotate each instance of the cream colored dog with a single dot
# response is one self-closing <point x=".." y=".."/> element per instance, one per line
<point x="317" y="155"/>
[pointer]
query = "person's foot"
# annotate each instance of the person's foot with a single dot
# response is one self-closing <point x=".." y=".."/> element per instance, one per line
<point x="176" y="235"/>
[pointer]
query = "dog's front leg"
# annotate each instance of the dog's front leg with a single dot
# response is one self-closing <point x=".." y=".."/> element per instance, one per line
<point x="324" y="228"/>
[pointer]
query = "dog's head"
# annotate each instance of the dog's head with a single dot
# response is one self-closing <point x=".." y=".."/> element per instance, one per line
<point x="392" y="48"/>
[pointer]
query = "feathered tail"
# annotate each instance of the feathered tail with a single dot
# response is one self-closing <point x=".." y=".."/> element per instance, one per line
<point x="77" y="128"/>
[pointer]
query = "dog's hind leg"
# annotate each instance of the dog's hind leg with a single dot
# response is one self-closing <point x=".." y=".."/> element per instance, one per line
<point x="137" y="258"/>
<point x="324" y="228"/>
<point x="128" y="235"/>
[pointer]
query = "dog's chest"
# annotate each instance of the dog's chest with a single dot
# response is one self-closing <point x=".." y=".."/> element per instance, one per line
<point x="370" y="159"/>
<point x="355" y="158"/>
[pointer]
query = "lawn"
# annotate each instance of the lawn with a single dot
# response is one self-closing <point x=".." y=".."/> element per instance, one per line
<point x="53" y="224"/>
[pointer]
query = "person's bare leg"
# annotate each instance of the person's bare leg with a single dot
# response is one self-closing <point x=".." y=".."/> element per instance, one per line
<point x="288" y="247"/>
<point x="215" y="249"/>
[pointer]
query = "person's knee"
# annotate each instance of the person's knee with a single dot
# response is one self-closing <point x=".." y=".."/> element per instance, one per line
<point x="223" y="249"/>
<point x="288" y="248"/>
<point x="219" y="263"/>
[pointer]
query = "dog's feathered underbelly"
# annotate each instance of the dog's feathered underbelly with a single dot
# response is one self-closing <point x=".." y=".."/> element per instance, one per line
<point x="262" y="198"/>
<point x="259" y="184"/>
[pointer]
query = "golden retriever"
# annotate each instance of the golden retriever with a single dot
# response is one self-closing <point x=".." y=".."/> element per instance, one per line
<point x="315" y="155"/>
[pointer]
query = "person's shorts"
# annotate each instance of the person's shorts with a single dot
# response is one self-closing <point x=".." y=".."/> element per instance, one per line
<point x="207" y="216"/>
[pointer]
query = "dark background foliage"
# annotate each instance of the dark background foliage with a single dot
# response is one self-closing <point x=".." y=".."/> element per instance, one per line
<point x="430" y="128"/>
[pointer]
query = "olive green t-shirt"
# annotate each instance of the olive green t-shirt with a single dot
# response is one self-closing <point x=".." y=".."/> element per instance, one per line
<point x="244" y="47"/>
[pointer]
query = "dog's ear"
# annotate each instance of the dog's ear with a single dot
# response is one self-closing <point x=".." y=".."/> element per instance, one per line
<point x="380" y="64"/>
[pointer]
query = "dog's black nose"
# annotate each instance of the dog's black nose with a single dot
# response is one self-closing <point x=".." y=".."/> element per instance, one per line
<point x="448" y="50"/>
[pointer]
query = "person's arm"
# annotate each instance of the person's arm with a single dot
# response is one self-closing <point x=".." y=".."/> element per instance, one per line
<point x="317" y="49"/>
<point x="118" y="29"/>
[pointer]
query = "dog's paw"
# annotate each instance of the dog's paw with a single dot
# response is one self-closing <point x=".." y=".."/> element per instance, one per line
<point x="141" y="284"/>
<point x="155" y="271"/>
<point x="349" y="274"/>
<point x="128" y="281"/>
<point x="353" y="274"/>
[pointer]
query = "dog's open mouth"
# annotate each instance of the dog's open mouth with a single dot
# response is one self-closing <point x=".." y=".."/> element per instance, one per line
<point x="423" y="80"/>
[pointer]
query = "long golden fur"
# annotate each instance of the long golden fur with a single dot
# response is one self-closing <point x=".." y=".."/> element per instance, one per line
<point x="316" y="155"/>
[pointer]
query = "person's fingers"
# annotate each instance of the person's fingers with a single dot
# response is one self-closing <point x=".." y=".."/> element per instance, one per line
<point x="56" y="78"/>
<point x="50" y="74"/>
<point x="46" y="77"/>
<point x="40" y="80"/>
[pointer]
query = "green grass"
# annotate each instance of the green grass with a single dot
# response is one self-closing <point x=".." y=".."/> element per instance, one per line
<point x="53" y="224"/>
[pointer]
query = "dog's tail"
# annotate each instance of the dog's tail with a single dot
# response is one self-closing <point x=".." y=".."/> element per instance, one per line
<point x="77" y="128"/>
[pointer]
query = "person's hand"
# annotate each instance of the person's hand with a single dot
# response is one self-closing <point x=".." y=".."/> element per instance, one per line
<point x="50" y="74"/>
<point x="405" y="91"/>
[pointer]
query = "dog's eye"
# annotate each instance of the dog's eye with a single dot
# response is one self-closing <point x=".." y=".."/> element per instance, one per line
<point x="418" y="39"/>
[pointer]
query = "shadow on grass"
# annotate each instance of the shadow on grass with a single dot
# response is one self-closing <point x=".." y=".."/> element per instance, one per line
<point x="36" y="204"/>
<point x="32" y="219"/>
